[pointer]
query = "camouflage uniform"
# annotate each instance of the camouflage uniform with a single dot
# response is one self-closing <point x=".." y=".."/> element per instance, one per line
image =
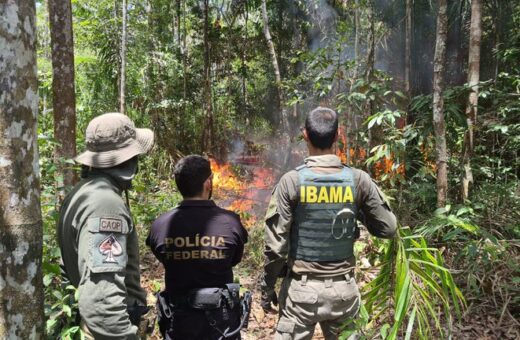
<point x="97" y="238"/>
<point x="313" y="292"/>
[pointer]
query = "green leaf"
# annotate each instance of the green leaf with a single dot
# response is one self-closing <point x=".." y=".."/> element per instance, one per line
<point x="47" y="279"/>
<point x="67" y="310"/>
<point x="409" y="328"/>
<point x="384" y="330"/>
<point x="430" y="264"/>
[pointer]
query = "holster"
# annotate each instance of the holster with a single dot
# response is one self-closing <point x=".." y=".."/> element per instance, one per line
<point x="211" y="301"/>
<point x="164" y="312"/>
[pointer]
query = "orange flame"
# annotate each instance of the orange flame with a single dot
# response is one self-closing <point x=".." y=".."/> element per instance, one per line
<point x="243" y="190"/>
<point x="224" y="178"/>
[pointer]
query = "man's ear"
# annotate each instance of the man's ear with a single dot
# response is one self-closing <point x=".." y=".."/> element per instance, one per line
<point x="305" y="135"/>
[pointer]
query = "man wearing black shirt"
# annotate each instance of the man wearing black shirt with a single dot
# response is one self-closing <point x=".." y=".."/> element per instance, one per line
<point x="198" y="243"/>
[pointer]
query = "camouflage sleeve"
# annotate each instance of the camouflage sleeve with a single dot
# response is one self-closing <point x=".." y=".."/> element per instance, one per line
<point x="102" y="259"/>
<point x="376" y="213"/>
<point x="278" y="222"/>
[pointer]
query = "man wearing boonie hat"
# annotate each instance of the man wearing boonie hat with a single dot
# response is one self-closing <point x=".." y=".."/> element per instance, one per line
<point x="96" y="234"/>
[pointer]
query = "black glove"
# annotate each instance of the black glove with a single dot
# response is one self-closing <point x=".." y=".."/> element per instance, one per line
<point x="135" y="312"/>
<point x="268" y="297"/>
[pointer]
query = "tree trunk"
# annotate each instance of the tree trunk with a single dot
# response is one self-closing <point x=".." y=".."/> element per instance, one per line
<point x="408" y="48"/>
<point x="369" y="72"/>
<point x="207" y="130"/>
<point x="184" y="58"/>
<point x="357" y="24"/>
<point x="178" y="11"/>
<point x="64" y="99"/>
<point x="276" y="68"/>
<point x="475" y="36"/>
<point x="438" y="103"/>
<point x="21" y="287"/>
<point x="244" y="59"/>
<point x="122" y="91"/>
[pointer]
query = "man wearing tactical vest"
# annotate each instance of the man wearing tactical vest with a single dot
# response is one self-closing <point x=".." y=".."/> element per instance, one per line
<point x="198" y="243"/>
<point x="97" y="237"/>
<point x="310" y="232"/>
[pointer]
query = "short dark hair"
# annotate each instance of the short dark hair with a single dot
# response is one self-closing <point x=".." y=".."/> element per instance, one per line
<point x="321" y="125"/>
<point x="190" y="174"/>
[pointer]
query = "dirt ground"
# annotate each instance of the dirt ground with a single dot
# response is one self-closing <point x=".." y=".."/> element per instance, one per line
<point x="261" y="325"/>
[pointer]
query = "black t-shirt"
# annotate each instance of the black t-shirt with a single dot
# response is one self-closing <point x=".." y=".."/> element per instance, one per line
<point x="198" y="244"/>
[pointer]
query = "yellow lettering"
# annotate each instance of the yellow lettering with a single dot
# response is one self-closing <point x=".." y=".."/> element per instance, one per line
<point x="168" y="241"/>
<point x="205" y="241"/>
<point x="195" y="254"/>
<point x="213" y="254"/>
<point x="176" y="255"/>
<point x="302" y="194"/>
<point x="188" y="243"/>
<point x="348" y="195"/>
<point x="185" y="255"/>
<point x="221" y="242"/>
<point x="312" y="194"/>
<point x="179" y="242"/>
<point x="222" y="255"/>
<point x="336" y="194"/>
<point x="323" y="197"/>
<point x="204" y="254"/>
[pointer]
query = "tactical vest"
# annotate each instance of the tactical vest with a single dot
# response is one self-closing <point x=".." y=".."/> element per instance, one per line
<point x="325" y="217"/>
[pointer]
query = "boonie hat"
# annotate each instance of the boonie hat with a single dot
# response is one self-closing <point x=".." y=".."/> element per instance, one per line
<point x="112" y="139"/>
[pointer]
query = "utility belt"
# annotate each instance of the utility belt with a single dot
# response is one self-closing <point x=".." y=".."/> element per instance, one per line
<point x="310" y="277"/>
<point x="224" y="300"/>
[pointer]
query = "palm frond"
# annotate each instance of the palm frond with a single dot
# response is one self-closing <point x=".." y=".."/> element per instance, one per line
<point x="421" y="290"/>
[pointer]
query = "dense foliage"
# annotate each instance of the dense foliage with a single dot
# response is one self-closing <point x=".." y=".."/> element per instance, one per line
<point x="202" y="68"/>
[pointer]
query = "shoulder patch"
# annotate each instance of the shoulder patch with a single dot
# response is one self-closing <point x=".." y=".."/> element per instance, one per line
<point x="112" y="225"/>
<point x="110" y="247"/>
<point x="107" y="243"/>
<point x="108" y="224"/>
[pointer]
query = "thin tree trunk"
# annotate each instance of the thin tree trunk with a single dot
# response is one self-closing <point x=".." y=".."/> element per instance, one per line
<point x="408" y="48"/>
<point x="355" y="75"/>
<point x="244" y="58"/>
<point x="357" y="60"/>
<point x="207" y="130"/>
<point x="64" y="99"/>
<point x="178" y="22"/>
<point x="184" y="58"/>
<point x="276" y="68"/>
<point x="497" y="26"/>
<point x="21" y="287"/>
<point x="438" y="103"/>
<point x="122" y="91"/>
<point x="369" y="72"/>
<point x="473" y="80"/>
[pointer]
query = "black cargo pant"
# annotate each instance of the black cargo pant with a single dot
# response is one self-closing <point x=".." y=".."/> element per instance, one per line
<point x="181" y="321"/>
<point x="194" y="324"/>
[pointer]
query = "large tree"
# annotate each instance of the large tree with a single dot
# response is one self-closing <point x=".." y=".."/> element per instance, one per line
<point x="475" y="36"/>
<point x="439" y="62"/>
<point x="64" y="99"/>
<point x="21" y="287"/>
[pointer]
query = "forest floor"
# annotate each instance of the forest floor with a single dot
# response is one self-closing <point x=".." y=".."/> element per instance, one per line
<point x="480" y="320"/>
<point x="261" y="325"/>
<point x="486" y="317"/>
